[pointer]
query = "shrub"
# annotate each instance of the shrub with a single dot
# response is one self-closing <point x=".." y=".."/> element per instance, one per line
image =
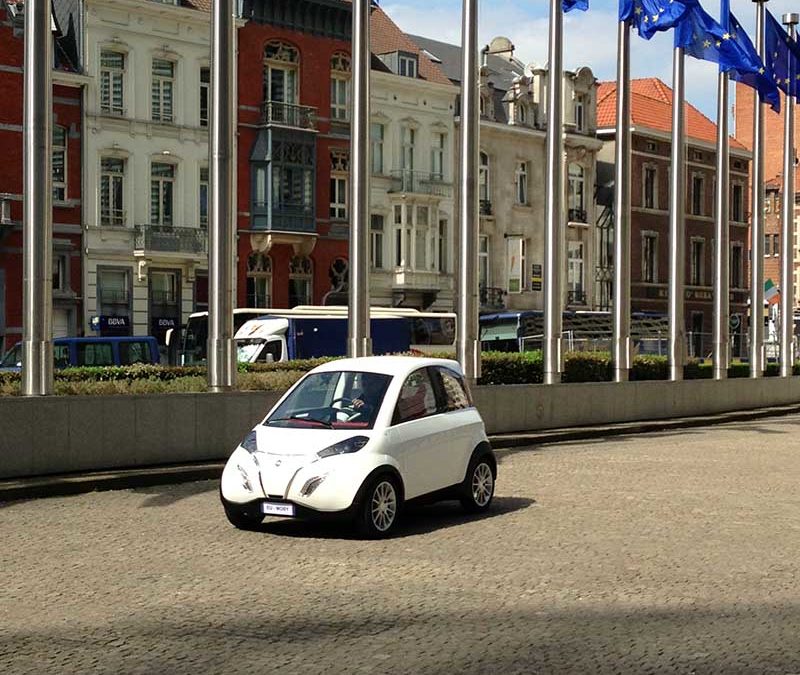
<point x="587" y="367"/>
<point x="511" y="368"/>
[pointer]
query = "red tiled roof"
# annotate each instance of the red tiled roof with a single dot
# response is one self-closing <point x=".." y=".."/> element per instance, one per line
<point x="202" y="5"/>
<point x="651" y="107"/>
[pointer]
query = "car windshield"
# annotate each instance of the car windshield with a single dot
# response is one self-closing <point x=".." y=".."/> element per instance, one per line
<point x="247" y="349"/>
<point x="12" y="357"/>
<point x="333" y="400"/>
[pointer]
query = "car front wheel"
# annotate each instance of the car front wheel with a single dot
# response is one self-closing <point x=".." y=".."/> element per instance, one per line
<point x="380" y="507"/>
<point x="478" y="488"/>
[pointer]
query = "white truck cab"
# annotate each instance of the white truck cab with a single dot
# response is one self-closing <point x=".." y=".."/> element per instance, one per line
<point x="262" y="341"/>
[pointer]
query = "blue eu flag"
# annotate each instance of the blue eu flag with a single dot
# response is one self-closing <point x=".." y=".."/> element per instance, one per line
<point x="781" y="57"/>
<point x="760" y="80"/>
<point x="569" y="5"/>
<point x="649" y="17"/>
<point x="703" y="38"/>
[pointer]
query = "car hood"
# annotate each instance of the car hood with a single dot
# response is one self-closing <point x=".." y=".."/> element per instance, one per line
<point x="295" y="442"/>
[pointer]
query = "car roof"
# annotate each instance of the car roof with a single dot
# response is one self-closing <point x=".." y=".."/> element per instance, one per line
<point x="387" y="365"/>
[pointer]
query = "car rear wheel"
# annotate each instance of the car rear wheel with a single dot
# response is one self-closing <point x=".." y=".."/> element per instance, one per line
<point x="380" y="507"/>
<point x="478" y="488"/>
<point x="241" y="519"/>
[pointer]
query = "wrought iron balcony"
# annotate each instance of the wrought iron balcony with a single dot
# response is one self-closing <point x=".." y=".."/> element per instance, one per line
<point x="167" y="239"/>
<point x="577" y="216"/>
<point x="289" y="115"/>
<point x="492" y="298"/>
<point x="486" y="207"/>
<point x="420" y="182"/>
<point x="576" y="298"/>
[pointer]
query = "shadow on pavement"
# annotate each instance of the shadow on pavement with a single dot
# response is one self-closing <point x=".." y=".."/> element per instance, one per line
<point x="416" y="520"/>
<point x="166" y="495"/>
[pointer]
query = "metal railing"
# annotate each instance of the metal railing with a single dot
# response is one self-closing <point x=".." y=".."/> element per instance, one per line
<point x="163" y="297"/>
<point x="577" y="216"/>
<point x="420" y="182"/>
<point x="289" y="115"/>
<point x="492" y="298"/>
<point x="486" y="207"/>
<point x="167" y="239"/>
<point x="576" y="297"/>
<point x="112" y="217"/>
<point x="114" y="297"/>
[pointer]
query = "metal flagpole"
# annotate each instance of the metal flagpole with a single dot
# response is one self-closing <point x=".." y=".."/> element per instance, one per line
<point x="37" y="288"/>
<point x="359" y="342"/>
<point x="622" y="209"/>
<point x="554" y="200"/>
<point x="469" y="352"/>
<point x="676" y="349"/>
<point x="222" y="207"/>
<point x="757" y="218"/>
<point x="787" y="218"/>
<point x="721" y="330"/>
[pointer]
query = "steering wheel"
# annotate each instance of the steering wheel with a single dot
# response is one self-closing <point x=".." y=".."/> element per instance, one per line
<point x="348" y="402"/>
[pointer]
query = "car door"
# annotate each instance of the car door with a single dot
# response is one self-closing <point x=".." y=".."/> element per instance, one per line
<point x="418" y="436"/>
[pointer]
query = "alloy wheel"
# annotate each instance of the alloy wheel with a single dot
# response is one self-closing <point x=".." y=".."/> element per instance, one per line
<point x="383" y="508"/>
<point x="482" y="484"/>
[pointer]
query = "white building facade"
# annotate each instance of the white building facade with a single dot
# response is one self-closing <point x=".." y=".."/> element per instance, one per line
<point x="146" y="165"/>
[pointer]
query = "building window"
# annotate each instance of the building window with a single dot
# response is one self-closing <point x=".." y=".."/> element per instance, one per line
<point x="112" y="81"/>
<point x="161" y="92"/>
<point x="516" y="265"/>
<point x="442" y="244"/>
<point x="407" y="65"/>
<point x="737" y="205"/>
<point x="650" y="187"/>
<point x="580" y="112"/>
<point x="522" y="113"/>
<point x="483" y="261"/>
<point x="577" y="210"/>
<point x="521" y="181"/>
<point x="698" y="195"/>
<point x="205" y="84"/>
<point x="737" y="268"/>
<point x="113" y="300"/>
<point x="407" y="146"/>
<point x="338" y="198"/>
<point x="776" y="244"/>
<point x="698" y="253"/>
<point x="484" y="179"/>
<point x="280" y="74"/>
<point x="300" y="277"/>
<point x="421" y="234"/>
<point x="340" y="87"/>
<point x="376" y="241"/>
<point x="414" y="231"/>
<point x="438" y="147"/>
<point x="651" y="146"/>
<point x="377" y="132"/>
<point x="59" y="272"/>
<point x="767" y="244"/>
<point x="162" y="184"/>
<point x="112" y="181"/>
<point x="575" y="272"/>
<point x="59" y="163"/>
<point x="259" y="280"/>
<point x="650" y="257"/>
<point x="204" y="197"/>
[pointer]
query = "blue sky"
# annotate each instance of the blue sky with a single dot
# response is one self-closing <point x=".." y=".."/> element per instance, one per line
<point x="590" y="38"/>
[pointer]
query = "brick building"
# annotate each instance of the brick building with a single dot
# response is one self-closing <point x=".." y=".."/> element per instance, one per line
<point x="67" y="192"/>
<point x="773" y="169"/>
<point x="651" y="113"/>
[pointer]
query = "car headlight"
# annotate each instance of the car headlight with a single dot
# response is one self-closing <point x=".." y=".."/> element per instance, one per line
<point x="251" y="442"/>
<point x="344" y="447"/>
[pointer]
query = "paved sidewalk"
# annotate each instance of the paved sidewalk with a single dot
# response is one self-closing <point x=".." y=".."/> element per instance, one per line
<point x="70" y="484"/>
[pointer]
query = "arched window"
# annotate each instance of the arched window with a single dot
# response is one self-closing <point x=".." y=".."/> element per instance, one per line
<point x="483" y="179"/>
<point x="281" y="61"/>
<point x="259" y="280"/>
<point x="340" y="86"/>
<point x="301" y="271"/>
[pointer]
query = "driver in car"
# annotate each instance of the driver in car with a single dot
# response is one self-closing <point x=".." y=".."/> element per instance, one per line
<point x="369" y="399"/>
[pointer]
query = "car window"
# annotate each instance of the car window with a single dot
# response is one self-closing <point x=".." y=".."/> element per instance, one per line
<point x="95" y="354"/>
<point x="417" y="398"/>
<point x="455" y="396"/>
<point x="273" y="348"/>
<point x="133" y="352"/>
<point x="61" y="356"/>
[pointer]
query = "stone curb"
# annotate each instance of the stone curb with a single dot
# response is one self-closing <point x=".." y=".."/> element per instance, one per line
<point x="73" y="484"/>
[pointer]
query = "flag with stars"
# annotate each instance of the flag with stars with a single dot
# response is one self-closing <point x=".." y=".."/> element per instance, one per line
<point x="781" y="57"/>
<point x="760" y="80"/>
<point x="649" y="17"/>
<point x="569" y="5"/>
<point x="703" y="38"/>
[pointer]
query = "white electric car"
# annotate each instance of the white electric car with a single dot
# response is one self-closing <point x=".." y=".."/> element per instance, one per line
<point x="359" y="438"/>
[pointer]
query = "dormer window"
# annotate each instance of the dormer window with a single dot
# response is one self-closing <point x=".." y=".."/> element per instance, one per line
<point x="407" y="65"/>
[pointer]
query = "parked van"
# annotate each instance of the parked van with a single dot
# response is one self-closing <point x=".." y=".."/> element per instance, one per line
<point x="91" y="351"/>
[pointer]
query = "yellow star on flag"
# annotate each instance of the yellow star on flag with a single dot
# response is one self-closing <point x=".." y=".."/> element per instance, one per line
<point x="706" y="44"/>
<point x="726" y="36"/>
<point x="786" y="81"/>
<point x="638" y="11"/>
<point x="760" y="71"/>
<point x="655" y="18"/>
<point x="719" y="44"/>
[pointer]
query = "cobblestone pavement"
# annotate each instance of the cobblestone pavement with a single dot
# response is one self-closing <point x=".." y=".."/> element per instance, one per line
<point x="674" y="552"/>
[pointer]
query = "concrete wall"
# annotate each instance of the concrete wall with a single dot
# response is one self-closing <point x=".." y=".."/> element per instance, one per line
<point x="84" y="433"/>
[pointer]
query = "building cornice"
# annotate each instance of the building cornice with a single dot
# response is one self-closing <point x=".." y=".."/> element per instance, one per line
<point x="608" y="134"/>
<point x="155" y="10"/>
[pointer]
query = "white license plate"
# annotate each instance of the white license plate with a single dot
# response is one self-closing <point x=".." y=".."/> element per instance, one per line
<point x="272" y="509"/>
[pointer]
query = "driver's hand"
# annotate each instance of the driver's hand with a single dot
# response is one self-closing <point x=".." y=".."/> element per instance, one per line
<point x="358" y="403"/>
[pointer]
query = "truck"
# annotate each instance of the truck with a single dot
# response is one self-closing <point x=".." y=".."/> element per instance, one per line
<point x="284" y="338"/>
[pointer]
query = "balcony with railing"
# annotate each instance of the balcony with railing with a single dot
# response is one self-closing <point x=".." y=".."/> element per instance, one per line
<point x="112" y="217"/>
<point x="168" y="239"/>
<point x="291" y="115"/>
<point x="420" y="182"/>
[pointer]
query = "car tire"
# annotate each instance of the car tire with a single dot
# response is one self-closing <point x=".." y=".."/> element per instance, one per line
<point x="379" y="509"/>
<point x="477" y="491"/>
<point x="241" y="519"/>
